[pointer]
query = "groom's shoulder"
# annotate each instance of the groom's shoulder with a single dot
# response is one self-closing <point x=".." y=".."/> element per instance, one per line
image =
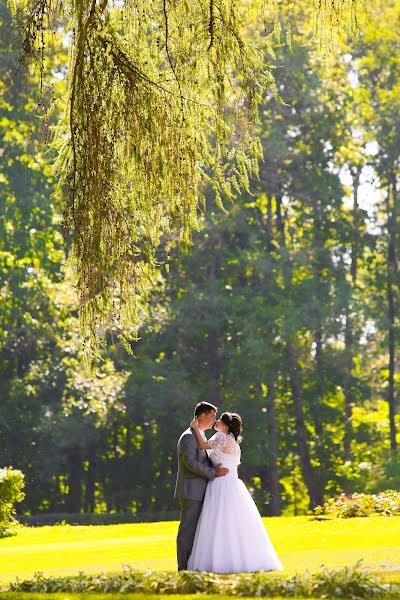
<point x="186" y="436"/>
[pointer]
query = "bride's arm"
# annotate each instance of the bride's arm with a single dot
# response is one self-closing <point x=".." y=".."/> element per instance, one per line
<point x="201" y="442"/>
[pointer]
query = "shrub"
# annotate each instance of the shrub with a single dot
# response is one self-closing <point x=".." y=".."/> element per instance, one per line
<point x="387" y="503"/>
<point x="350" y="582"/>
<point x="361" y="505"/>
<point x="11" y="486"/>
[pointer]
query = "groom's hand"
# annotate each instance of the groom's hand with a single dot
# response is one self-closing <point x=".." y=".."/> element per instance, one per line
<point x="221" y="471"/>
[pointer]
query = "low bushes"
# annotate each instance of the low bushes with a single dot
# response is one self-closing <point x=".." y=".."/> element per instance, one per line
<point x="362" y="505"/>
<point x="11" y="486"/>
<point x="350" y="582"/>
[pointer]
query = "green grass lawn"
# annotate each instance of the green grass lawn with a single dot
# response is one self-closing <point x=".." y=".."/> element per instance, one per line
<point x="302" y="545"/>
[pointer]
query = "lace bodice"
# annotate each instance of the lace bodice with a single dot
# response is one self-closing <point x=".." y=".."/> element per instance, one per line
<point x="225" y="450"/>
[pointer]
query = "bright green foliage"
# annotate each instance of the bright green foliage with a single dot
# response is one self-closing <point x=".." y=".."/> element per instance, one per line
<point x="274" y="273"/>
<point x="11" y="492"/>
<point x="31" y="253"/>
<point x="376" y="64"/>
<point x="163" y="98"/>
<point x="45" y="397"/>
<point x="299" y="270"/>
<point x="348" y="582"/>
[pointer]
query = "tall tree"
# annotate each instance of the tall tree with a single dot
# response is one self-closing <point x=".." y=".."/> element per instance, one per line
<point x="379" y="96"/>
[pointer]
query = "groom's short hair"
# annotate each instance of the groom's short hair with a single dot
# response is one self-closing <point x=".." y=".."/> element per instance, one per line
<point x="204" y="408"/>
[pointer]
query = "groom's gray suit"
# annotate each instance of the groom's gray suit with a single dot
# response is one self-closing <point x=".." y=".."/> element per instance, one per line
<point x="194" y="471"/>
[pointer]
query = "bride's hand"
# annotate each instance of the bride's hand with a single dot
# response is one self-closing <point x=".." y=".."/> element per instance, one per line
<point x="194" y="423"/>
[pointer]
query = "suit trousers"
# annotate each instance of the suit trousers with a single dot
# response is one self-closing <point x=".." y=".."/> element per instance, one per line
<point x="190" y="514"/>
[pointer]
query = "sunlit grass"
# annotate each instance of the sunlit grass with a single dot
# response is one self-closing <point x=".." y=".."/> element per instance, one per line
<point x="301" y="543"/>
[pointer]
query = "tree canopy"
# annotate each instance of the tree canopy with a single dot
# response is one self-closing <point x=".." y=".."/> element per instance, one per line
<point x="285" y="308"/>
<point x="163" y="101"/>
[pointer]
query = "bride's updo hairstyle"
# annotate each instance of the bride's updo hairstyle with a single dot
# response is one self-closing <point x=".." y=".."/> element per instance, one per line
<point x="234" y="422"/>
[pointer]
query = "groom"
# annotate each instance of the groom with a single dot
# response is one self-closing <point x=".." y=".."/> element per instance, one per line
<point x="195" y="470"/>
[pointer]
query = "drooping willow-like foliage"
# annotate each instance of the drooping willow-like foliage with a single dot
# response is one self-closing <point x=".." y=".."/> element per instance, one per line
<point x="163" y="99"/>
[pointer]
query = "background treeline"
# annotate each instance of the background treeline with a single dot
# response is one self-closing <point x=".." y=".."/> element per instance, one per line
<point x="285" y="309"/>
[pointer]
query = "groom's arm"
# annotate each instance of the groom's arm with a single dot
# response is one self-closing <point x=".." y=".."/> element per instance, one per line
<point x="188" y="451"/>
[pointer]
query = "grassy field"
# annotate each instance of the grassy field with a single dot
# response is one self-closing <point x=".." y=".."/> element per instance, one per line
<point x="301" y="543"/>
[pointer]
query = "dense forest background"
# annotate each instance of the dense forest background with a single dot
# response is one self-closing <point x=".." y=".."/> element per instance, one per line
<point x="285" y="308"/>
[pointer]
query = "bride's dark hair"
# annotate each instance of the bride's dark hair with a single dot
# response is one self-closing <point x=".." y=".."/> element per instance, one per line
<point x="234" y="422"/>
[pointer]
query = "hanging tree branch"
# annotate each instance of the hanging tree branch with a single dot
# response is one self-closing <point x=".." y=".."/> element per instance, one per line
<point x="162" y="99"/>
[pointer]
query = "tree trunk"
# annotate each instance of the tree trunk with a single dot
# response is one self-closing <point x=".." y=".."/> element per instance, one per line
<point x="148" y="470"/>
<point x="89" y="501"/>
<point x="273" y="475"/>
<point x="274" y="507"/>
<point x="390" y="292"/>
<point x="315" y="494"/>
<point x="348" y="388"/>
<point x="213" y="359"/>
<point x="391" y="388"/>
<point x="75" y="471"/>
<point x="318" y="269"/>
<point x="348" y="333"/>
<point x="214" y="394"/>
<point x="319" y="428"/>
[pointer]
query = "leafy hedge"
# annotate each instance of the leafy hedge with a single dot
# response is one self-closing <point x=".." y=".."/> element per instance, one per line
<point x="349" y="582"/>
<point x="362" y="505"/>
<point x="11" y="486"/>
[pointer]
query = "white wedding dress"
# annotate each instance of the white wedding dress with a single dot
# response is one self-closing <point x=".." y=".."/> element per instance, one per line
<point x="230" y="535"/>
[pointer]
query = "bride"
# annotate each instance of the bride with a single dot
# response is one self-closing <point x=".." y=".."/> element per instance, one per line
<point x="230" y="535"/>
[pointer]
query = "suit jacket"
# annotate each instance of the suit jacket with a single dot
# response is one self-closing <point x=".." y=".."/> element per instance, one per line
<point x="195" y="469"/>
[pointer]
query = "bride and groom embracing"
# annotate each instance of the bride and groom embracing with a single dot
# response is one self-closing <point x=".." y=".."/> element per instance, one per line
<point x="220" y="528"/>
